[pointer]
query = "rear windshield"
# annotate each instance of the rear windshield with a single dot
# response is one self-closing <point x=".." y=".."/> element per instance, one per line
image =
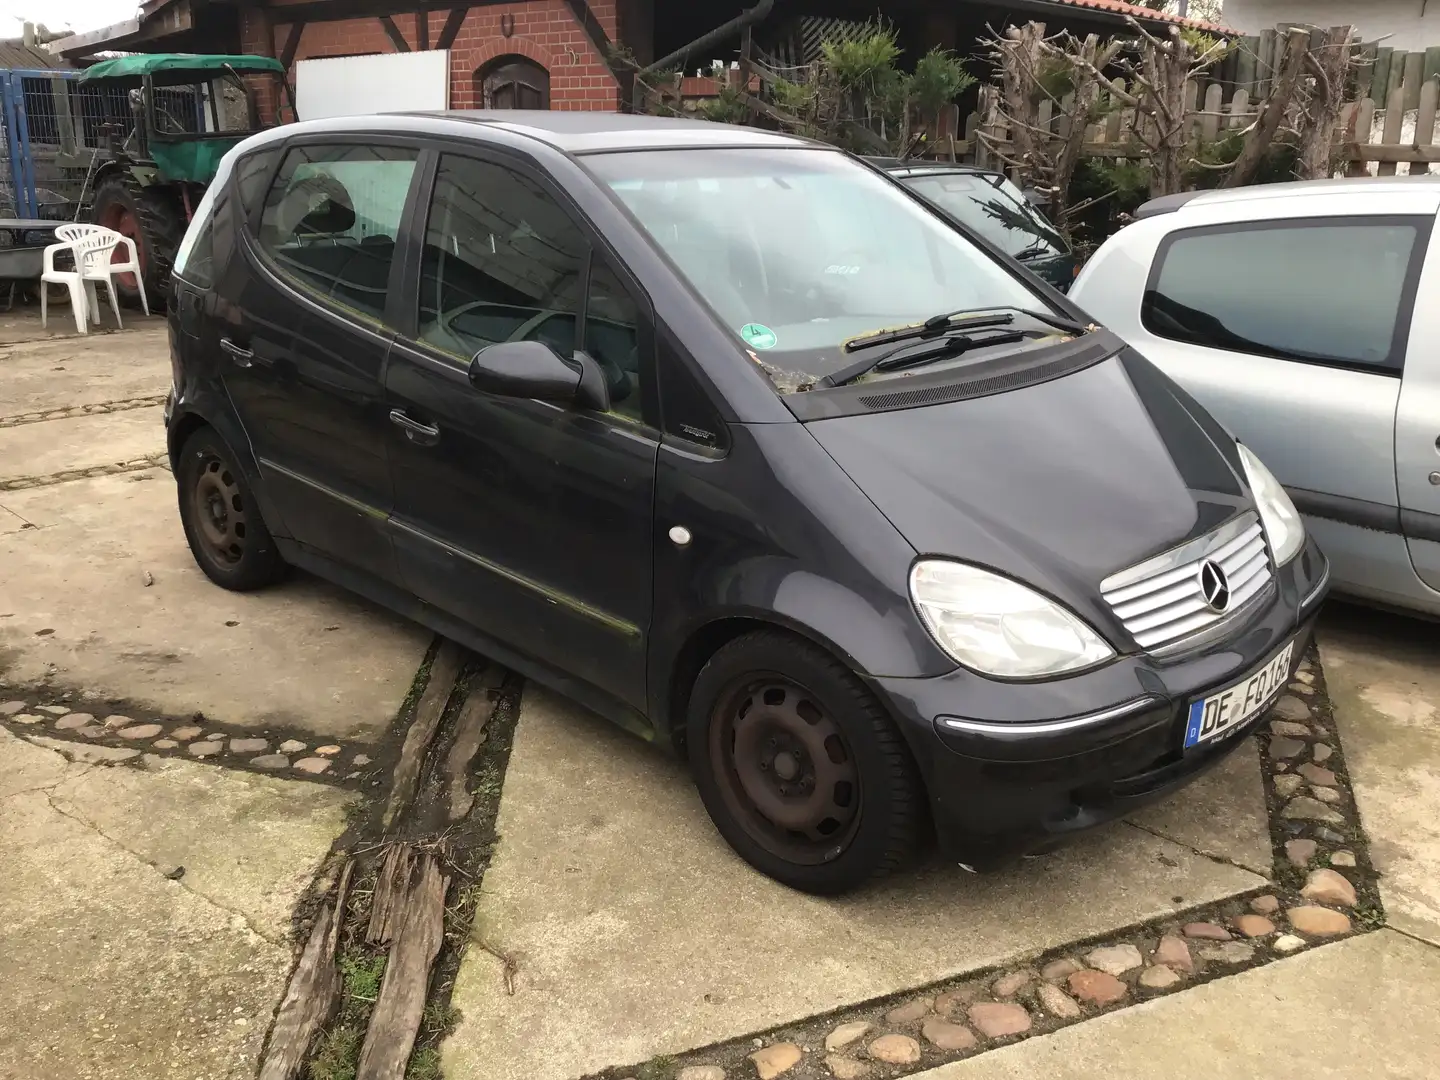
<point x="993" y="207"/>
<point x="797" y="251"/>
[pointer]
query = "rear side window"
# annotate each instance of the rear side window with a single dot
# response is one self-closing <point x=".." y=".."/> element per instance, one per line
<point x="252" y="173"/>
<point x="1332" y="291"/>
<point x="331" y="219"/>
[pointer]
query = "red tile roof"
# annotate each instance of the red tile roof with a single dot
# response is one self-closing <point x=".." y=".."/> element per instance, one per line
<point x="1120" y="7"/>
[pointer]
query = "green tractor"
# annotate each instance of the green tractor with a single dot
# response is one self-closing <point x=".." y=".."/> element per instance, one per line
<point x="185" y="112"/>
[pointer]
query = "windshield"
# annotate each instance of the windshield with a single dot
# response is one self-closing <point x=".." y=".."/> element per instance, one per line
<point x="993" y="207"/>
<point x="797" y="251"/>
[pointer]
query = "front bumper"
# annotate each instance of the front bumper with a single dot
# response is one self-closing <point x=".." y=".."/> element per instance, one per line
<point x="1020" y="767"/>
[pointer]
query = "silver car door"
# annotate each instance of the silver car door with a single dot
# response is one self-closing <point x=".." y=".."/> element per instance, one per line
<point x="1417" y="429"/>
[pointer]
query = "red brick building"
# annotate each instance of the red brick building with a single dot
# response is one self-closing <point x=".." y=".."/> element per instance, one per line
<point x="561" y="54"/>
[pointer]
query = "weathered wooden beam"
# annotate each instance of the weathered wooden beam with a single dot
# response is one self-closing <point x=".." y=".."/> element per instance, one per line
<point x="451" y="29"/>
<point x="396" y="1019"/>
<point x="469" y="735"/>
<point x="392" y="32"/>
<point x="1390" y="154"/>
<point x="422" y="31"/>
<point x="292" y="42"/>
<point x="429" y="709"/>
<point x="310" y="997"/>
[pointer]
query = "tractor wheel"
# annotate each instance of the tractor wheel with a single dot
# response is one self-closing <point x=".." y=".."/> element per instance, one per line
<point x="153" y="218"/>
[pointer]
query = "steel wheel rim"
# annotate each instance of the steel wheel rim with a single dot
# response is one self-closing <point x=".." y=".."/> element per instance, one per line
<point x="219" y="511"/>
<point x="785" y="770"/>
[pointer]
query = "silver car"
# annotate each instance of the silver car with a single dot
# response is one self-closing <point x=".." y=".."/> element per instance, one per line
<point x="1306" y="318"/>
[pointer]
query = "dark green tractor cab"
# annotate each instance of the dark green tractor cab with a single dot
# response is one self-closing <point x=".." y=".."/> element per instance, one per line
<point x="187" y="110"/>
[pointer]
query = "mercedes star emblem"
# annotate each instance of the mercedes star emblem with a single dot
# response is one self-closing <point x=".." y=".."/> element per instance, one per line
<point x="1213" y="586"/>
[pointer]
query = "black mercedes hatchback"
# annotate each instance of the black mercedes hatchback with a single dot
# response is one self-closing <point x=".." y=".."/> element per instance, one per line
<point x="733" y="440"/>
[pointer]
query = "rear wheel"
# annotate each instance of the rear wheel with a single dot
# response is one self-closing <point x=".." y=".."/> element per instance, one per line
<point x="154" y="219"/>
<point x="222" y="522"/>
<point x="799" y="766"/>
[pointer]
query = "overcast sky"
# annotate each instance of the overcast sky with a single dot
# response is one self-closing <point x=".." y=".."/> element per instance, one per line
<point x="78" y="15"/>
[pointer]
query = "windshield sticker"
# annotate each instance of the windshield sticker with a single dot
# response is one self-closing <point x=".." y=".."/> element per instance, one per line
<point x="758" y="336"/>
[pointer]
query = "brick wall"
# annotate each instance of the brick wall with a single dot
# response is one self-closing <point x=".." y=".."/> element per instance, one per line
<point x="544" y="31"/>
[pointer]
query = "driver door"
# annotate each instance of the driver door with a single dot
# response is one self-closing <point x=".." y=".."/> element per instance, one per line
<point x="528" y="520"/>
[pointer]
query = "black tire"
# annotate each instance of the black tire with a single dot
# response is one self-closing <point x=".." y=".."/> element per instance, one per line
<point x="749" y="701"/>
<point x="222" y="521"/>
<point x="151" y="216"/>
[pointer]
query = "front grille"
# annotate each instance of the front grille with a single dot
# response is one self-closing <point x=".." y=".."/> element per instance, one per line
<point x="1162" y="601"/>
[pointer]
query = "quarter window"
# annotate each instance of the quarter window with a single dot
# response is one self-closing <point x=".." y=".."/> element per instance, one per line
<point x="331" y="220"/>
<point x="503" y="261"/>
<point x="1323" y="291"/>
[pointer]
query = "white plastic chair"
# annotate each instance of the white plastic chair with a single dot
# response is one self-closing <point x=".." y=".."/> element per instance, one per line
<point x="94" y="247"/>
<point x="72" y="280"/>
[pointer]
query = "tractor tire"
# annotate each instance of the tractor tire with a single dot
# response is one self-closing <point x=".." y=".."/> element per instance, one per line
<point x="152" y="217"/>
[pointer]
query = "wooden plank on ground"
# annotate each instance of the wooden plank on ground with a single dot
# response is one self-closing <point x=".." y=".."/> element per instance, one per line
<point x="392" y="885"/>
<point x="428" y="711"/>
<point x="310" y="997"/>
<point x="469" y="734"/>
<point x="401" y="1004"/>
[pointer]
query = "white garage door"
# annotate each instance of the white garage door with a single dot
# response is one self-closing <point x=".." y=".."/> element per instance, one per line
<point x="355" y="85"/>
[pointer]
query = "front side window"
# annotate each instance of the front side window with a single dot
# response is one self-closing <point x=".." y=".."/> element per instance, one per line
<point x="1319" y="290"/>
<point x="797" y="251"/>
<point x="503" y="261"/>
<point x="993" y="207"/>
<point x="331" y="220"/>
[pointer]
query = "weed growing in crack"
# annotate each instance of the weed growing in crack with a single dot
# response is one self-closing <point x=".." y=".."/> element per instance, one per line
<point x="338" y="1056"/>
<point x="660" y="1068"/>
<point x="362" y="976"/>
<point x="424" y="1065"/>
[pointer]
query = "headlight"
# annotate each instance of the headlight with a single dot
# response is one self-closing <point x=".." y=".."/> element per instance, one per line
<point x="1283" y="527"/>
<point x="998" y="626"/>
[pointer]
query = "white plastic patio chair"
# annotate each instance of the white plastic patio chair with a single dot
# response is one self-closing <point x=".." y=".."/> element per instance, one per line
<point x="72" y="280"/>
<point x="98" y="244"/>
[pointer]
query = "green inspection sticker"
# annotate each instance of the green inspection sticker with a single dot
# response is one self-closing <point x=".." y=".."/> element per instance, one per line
<point x="758" y="336"/>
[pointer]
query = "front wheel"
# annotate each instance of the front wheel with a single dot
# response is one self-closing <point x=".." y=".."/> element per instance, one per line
<point x="800" y="768"/>
<point x="222" y="522"/>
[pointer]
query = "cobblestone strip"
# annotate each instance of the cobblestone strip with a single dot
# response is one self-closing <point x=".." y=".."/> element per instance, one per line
<point x="128" y="734"/>
<point x="82" y="410"/>
<point x="1323" y="888"/>
<point x="20" y="483"/>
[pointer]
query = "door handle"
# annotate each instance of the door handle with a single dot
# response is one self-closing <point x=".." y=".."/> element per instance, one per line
<point x="416" y="432"/>
<point x="242" y="357"/>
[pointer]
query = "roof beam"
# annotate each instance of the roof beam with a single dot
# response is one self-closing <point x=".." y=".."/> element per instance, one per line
<point x="392" y="31"/>
<point x="451" y="30"/>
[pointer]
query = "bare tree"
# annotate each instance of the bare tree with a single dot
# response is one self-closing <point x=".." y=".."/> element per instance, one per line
<point x="1329" y="61"/>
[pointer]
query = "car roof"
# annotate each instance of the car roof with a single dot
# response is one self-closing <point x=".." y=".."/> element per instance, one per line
<point x="581" y="132"/>
<point x="1369" y="186"/>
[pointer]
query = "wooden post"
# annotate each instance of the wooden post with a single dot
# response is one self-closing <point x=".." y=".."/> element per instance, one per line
<point x="1431" y="70"/>
<point x="1245" y="64"/>
<point x="1264" y="65"/>
<point x="1365" y="68"/>
<point x="1363" y="124"/>
<point x="1380" y="74"/>
<point x="1214" y="105"/>
<point x="1414" y="75"/>
<point x="1394" y="117"/>
<point x="1239" y="110"/>
<point x="1397" y="74"/>
<point x="1116" y="117"/>
<point x="972" y="136"/>
<point x="1425" y="122"/>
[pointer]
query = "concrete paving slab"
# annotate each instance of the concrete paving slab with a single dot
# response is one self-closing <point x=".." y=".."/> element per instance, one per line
<point x="1383" y="674"/>
<point x="1221" y="814"/>
<point x="80" y="442"/>
<point x="302" y="654"/>
<point x="10" y="521"/>
<point x="1365" y="1007"/>
<point x="111" y="971"/>
<point x="62" y="372"/>
<point x="637" y="932"/>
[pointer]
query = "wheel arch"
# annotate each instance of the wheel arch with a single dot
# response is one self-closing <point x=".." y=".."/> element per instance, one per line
<point x="708" y="638"/>
<point x="190" y="417"/>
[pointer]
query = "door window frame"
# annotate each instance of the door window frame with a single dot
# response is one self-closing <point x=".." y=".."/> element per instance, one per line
<point x="405" y="290"/>
<point x="386" y="323"/>
<point x="1394" y="363"/>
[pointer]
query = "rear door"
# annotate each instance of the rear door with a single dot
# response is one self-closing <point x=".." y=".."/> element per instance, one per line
<point x="1417" y="429"/>
<point x="532" y="521"/>
<point x="305" y="328"/>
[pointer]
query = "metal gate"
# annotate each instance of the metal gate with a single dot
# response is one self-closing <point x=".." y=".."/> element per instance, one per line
<point x="53" y="132"/>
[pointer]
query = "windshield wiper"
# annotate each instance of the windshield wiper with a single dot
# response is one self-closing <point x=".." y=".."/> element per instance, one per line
<point x="950" y="345"/>
<point x="953" y="321"/>
<point x="1038" y="248"/>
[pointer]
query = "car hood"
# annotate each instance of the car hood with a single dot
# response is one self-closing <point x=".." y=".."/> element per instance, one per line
<point x="1058" y="485"/>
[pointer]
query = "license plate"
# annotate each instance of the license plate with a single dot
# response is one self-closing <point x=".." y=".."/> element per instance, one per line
<point x="1213" y="716"/>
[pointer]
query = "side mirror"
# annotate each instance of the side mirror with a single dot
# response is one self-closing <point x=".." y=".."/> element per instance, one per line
<point x="533" y="369"/>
